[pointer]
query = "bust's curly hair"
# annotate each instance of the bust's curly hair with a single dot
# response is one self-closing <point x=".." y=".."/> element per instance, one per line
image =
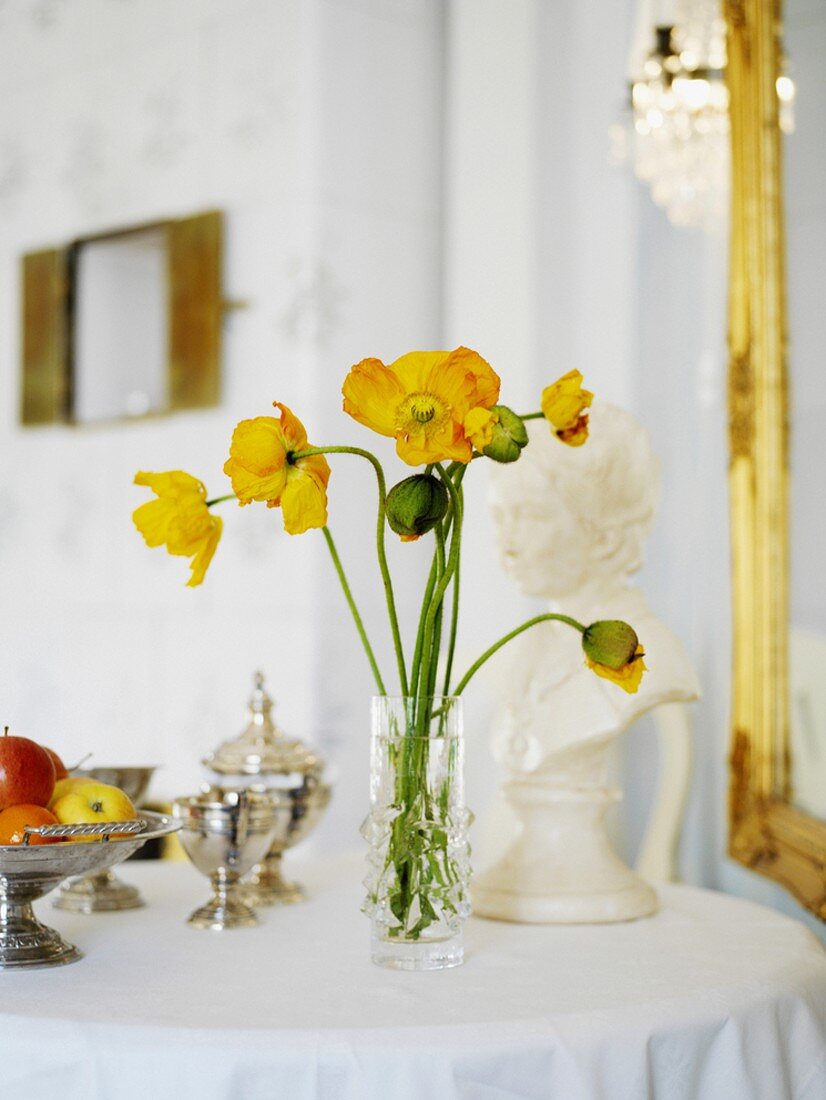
<point x="610" y="484"/>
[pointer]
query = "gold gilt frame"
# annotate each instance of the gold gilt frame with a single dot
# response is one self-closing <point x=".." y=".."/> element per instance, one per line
<point x="766" y="832"/>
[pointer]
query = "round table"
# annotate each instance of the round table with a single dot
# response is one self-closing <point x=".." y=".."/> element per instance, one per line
<point x="713" y="998"/>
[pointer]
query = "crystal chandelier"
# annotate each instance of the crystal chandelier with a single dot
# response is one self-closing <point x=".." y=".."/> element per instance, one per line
<point x="679" y="140"/>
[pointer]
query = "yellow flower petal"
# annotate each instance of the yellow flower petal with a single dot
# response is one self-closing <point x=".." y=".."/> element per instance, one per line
<point x="414" y="369"/>
<point x="200" y="563"/>
<point x="153" y="520"/>
<point x="487" y="382"/>
<point x="449" y="445"/>
<point x="563" y="405"/>
<point x="179" y="519"/>
<point x="304" y="500"/>
<point x="257" y="463"/>
<point x="317" y="466"/>
<point x="629" y="677"/>
<point x="293" y="431"/>
<point x="479" y="425"/>
<point x="371" y="395"/>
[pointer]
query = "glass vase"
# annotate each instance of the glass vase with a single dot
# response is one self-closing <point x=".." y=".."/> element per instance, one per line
<point x="417" y="829"/>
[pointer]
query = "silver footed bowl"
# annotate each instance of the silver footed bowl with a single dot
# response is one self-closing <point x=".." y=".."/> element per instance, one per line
<point x="298" y="810"/>
<point x="104" y="892"/>
<point x="28" y="872"/>
<point x="133" y="781"/>
<point x="225" y="831"/>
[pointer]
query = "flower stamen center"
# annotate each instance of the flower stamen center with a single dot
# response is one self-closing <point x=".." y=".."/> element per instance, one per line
<point x="421" y="412"/>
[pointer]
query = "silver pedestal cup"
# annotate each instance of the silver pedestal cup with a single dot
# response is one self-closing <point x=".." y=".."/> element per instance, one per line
<point x="224" y="832"/>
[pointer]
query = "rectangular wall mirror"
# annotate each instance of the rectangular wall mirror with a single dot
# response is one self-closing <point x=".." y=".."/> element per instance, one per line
<point x="120" y="332"/>
<point x="123" y="324"/>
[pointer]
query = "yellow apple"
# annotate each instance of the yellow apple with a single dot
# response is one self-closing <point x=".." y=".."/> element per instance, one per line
<point x="67" y="786"/>
<point x="93" y="803"/>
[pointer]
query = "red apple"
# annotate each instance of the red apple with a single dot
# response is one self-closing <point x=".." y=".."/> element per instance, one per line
<point x="60" y="769"/>
<point x="27" y="773"/>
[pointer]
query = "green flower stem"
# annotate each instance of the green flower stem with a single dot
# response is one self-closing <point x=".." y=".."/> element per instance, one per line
<point x="454" y="614"/>
<point x="550" y="617"/>
<point x="436" y="569"/>
<point x="441" y="588"/>
<point x="348" y="595"/>
<point x="380" y="547"/>
<point x="435" y="644"/>
<point x="220" y="500"/>
<point x="428" y="595"/>
<point x="417" y="652"/>
<point x="531" y="416"/>
<point x="416" y="748"/>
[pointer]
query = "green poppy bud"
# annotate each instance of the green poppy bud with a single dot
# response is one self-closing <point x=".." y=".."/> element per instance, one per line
<point x="509" y="435"/>
<point x="611" y="642"/>
<point x="416" y="505"/>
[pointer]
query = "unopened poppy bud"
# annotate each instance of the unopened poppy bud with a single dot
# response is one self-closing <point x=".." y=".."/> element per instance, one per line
<point x="509" y="435"/>
<point x="611" y="643"/>
<point x="416" y="505"/>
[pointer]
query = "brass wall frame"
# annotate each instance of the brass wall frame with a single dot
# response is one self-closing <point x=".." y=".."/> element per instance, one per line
<point x="766" y="832"/>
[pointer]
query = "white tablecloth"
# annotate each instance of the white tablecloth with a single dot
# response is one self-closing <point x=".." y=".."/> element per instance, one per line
<point x="713" y="998"/>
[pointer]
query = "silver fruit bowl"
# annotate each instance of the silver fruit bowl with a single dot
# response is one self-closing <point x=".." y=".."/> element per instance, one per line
<point x="104" y="892"/>
<point x="28" y="872"/>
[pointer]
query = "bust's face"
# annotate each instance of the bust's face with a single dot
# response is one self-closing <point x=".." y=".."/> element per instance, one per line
<point x="541" y="545"/>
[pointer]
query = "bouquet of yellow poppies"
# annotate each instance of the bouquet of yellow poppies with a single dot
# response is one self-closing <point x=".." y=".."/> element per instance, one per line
<point x="443" y="410"/>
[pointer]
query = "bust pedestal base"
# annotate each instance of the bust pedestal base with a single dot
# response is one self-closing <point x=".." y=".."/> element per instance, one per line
<point x="560" y="868"/>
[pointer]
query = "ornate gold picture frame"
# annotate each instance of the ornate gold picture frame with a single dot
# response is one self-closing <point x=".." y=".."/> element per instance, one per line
<point x="766" y="832"/>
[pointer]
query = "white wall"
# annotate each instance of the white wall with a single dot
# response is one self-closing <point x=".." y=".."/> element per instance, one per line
<point x="541" y="252"/>
<point x="326" y="161"/>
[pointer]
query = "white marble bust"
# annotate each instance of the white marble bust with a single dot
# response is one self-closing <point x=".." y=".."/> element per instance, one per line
<point x="572" y="524"/>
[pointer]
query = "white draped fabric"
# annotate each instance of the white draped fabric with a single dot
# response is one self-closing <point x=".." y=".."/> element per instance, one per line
<point x="712" y="998"/>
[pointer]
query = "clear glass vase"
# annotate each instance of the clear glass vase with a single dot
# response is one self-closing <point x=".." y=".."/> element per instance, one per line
<point x="417" y="829"/>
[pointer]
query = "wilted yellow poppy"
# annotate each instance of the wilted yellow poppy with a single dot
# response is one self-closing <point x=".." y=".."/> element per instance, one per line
<point x="629" y="677"/>
<point x="428" y="401"/>
<point x="563" y="404"/>
<point x="261" y="467"/>
<point x="179" y="519"/>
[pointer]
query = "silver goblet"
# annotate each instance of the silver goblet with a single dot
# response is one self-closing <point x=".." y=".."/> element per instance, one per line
<point x="224" y="832"/>
<point x="104" y="892"/>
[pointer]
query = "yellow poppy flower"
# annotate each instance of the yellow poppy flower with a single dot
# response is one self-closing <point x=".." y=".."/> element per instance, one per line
<point x="179" y="519"/>
<point x="428" y="401"/>
<point x="563" y="404"/>
<point x="260" y="468"/>
<point x="629" y="677"/>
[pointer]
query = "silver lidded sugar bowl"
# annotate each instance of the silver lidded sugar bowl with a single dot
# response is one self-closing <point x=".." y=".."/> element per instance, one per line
<point x="291" y="772"/>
